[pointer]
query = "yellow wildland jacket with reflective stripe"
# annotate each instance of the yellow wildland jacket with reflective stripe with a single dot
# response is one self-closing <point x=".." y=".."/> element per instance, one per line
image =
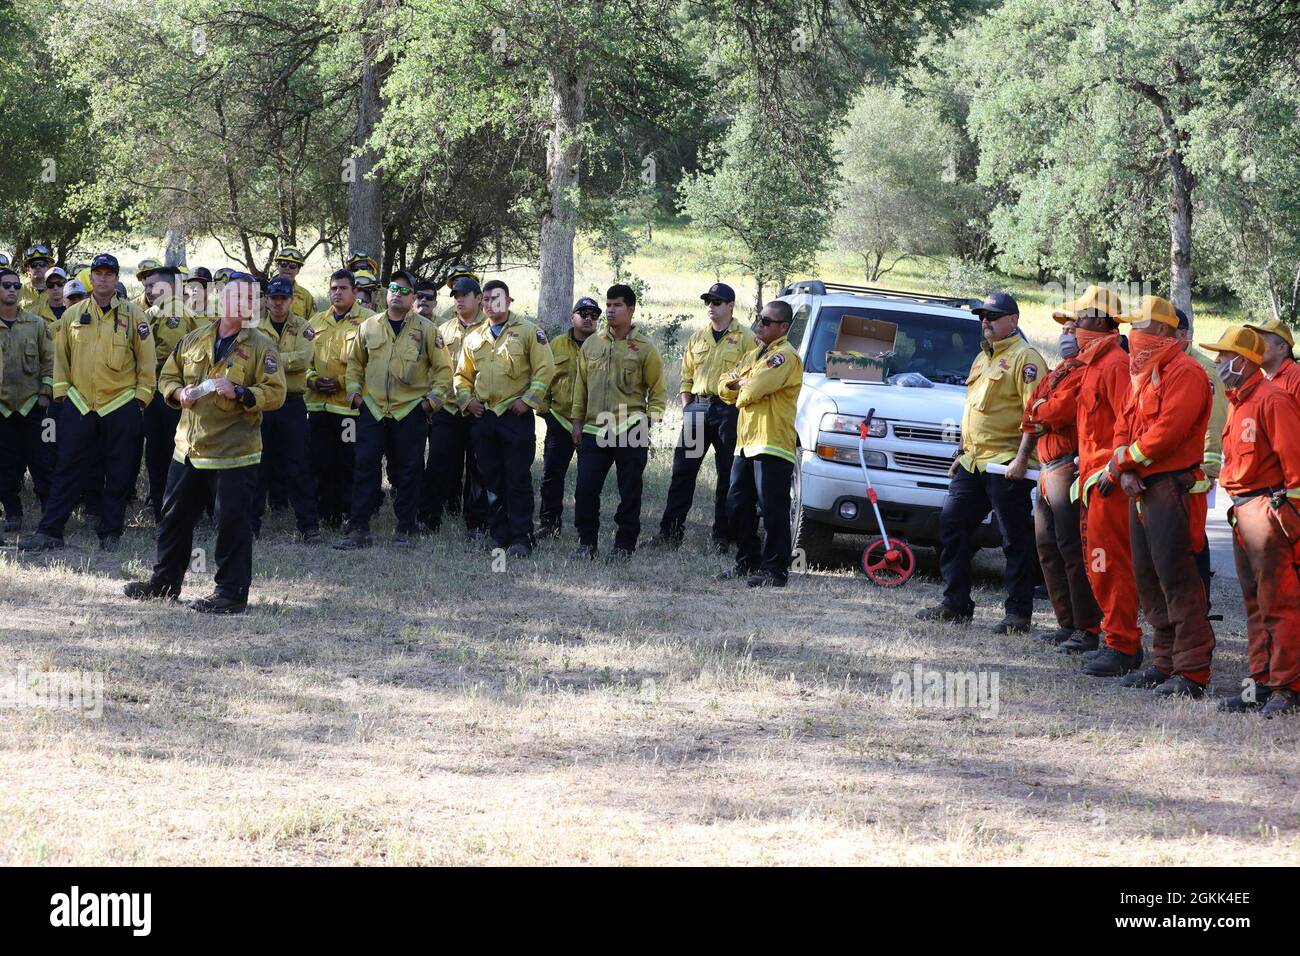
<point x="29" y="298"/>
<point x="618" y="382"/>
<point x="559" y="397"/>
<point x="1213" y="455"/>
<point x="218" y="432"/>
<point x="295" y="346"/>
<point x="170" y="320"/>
<point x="1002" y="379"/>
<point x="496" y="371"/>
<point x="26" y="363"/>
<point x="103" y="358"/>
<point x="329" y="358"/>
<point x="394" y="373"/>
<point x="770" y="378"/>
<point x="453" y="336"/>
<point x="705" y="360"/>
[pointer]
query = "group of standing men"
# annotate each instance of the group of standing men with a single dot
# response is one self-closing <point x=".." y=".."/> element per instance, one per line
<point x="233" y="390"/>
<point x="1129" y="435"/>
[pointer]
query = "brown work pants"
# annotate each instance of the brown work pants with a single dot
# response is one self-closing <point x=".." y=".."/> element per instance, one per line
<point x="1060" y="552"/>
<point x="1166" y="533"/>
<point x="1270" y="585"/>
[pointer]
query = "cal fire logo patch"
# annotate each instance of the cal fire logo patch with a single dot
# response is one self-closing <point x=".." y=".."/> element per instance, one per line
<point x="270" y="364"/>
<point x="143" y="329"/>
<point x="173" y="322"/>
<point x="437" y="337"/>
<point x="1030" y="373"/>
<point x="309" y="333"/>
<point x="541" y="337"/>
<point x="776" y="360"/>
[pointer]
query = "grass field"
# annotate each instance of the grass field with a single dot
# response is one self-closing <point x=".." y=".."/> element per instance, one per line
<point x="400" y="707"/>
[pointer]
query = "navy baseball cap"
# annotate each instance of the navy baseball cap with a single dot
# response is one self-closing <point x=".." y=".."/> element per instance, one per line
<point x="280" y="286"/>
<point x="996" y="305"/>
<point x="586" y="302"/>
<point x="720" y="290"/>
<point x="105" y="261"/>
<point x="200" y="274"/>
<point x="466" y="284"/>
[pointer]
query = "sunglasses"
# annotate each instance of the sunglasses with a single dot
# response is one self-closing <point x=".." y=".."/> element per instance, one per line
<point x="765" y="321"/>
<point x="588" y="313"/>
<point x="11" y="285"/>
<point x="714" y="302"/>
<point x="426" y="297"/>
<point x="398" y="289"/>
<point x="54" y="282"/>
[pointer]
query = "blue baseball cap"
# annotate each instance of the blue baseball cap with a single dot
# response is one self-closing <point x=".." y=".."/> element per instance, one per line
<point x="996" y="305"/>
<point x="720" y="290"/>
<point x="105" y="261"/>
<point x="466" y="284"/>
<point x="586" y="302"/>
<point x="280" y="286"/>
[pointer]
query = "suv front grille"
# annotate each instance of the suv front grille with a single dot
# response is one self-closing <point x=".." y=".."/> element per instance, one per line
<point x="927" y="433"/>
<point x="928" y="463"/>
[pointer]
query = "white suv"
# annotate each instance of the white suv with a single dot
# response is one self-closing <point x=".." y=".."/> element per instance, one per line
<point x="915" y="432"/>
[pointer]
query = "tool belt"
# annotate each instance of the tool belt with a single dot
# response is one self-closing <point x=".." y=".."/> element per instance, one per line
<point x="1057" y="463"/>
<point x="1242" y="498"/>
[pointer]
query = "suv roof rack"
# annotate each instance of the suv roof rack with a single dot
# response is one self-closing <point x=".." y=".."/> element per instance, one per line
<point x="818" y="287"/>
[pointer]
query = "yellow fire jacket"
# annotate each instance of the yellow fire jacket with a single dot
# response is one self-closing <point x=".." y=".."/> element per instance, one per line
<point x="304" y="303"/>
<point x="329" y="337"/>
<point x="1002" y="379"/>
<point x="1213" y="455"/>
<point x="103" y="358"/>
<point x="394" y="373"/>
<point x="170" y="320"/>
<point x="453" y="336"/>
<point x="29" y="298"/>
<point x="296" y="347"/>
<point x="618" y="382"/>
<point x="218" y="432"/>
<point x="516" y="364"/>
<point x="559" y="397"/>
<point x="26" y="363"/>
<point x="770" y="378"/>
<point x="705" y="360"/>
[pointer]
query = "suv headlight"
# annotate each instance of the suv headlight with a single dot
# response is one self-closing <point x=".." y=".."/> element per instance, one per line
<point x="849" y="456"/>
<point x="848" y="425"/>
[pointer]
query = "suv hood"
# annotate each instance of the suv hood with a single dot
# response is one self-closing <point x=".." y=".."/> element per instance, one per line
<point x="906" y="404"/>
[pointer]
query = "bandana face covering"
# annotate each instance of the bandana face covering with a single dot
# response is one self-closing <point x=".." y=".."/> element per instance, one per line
<point x="1147" y="349"/>
<point x="1089" y="341"/>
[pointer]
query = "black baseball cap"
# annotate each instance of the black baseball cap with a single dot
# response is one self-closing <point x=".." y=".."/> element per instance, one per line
<point x="410" y="277"/>
<point x="1183" y="321"/>
<point x="105" y="261"/>
<point x="426" y="285"/>
<point x="200" y="274"/>
<point x="466" y="284"/>
<point x="280" y="286"/>
<point x="720" y="290"/>
<point x="996" y="305"/>
<point x="586" y="302"/>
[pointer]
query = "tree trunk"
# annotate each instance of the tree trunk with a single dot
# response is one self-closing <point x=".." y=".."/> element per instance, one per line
<point x="758" y="296"/>
<point x="174" y="247"/>
<point x="1182" y="182"/>
<point x="365" y="209"/>
<point x="559" y="222"/>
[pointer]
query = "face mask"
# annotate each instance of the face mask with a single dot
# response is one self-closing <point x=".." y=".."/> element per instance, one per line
<point x="1068" y="345"/>
<point x="1231" y="377"/>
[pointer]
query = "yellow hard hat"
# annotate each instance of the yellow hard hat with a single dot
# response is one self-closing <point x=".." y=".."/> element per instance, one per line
<point x="1243" y="340"/>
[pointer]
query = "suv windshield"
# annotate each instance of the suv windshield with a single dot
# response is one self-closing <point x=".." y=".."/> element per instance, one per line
<point x="940" y="347"/>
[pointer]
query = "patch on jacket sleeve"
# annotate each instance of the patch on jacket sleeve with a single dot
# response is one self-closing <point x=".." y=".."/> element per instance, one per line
<point x="541" y="337"/>
<point x="309" y="333"/>
<point x="775" y="360"/>
<point x="1030" y="372"/>
<point x="143" y="329"/>
<point x="437" y="338"/>
<point x="270" y="364"/>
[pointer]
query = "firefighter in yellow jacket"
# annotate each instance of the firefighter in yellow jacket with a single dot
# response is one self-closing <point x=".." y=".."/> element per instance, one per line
<point x="331" y="419"/>
<point x="504" y="371"/>
<point x="452" y="482"/>
<point x="707" y="420"/>
<point x="223" y="377"/>
<point x="765" y="388"/>
<point x="289" y="263"/>
<point x="559" y="446"/>
<point x="37" y="260"/>
<point x="26" y="384"/>
<point x="399" y="375"/>
<point x="618" y="394"/>
<point x="104" y="368"/>
<point x="170" y="320"/>
<point x="283" y="473"/>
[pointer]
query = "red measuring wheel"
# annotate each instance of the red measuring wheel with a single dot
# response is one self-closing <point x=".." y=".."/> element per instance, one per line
<point x="888" y="567"/>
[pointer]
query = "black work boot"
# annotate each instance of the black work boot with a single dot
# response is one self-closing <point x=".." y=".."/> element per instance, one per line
<point x="151" y="591"/>
<point x="219" y="604"/>
<point x="1180" y="686"/>
<point x="583" y="552"/>
<point x="1237" y="704"/>
<point x="941" y="612"/>
<point x="1013" y="624"/>
<point x="1280" y="702"/>
<point x="354" y="540"/>
<point x="765" y="579"/>
<point x="39" y="542"/>
<point x="1058" y="636"/>
<point x="1081" y="641"/>
<point x="734" y="573"/>
<point x="617" y="555"/>
<point x="668" y="542"/>
<point x="1112" y="663"/>
<point x="1145" y="679"/>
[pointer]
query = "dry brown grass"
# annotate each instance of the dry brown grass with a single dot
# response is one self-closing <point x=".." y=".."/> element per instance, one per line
<point x="415" y="707"/>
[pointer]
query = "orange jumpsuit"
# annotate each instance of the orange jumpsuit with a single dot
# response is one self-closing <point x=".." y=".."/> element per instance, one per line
<point x="1104" y="521"/>
<point x="1051" y="415"/>
<point x="1261" y="471"/>
<point x="1288" y="376"/>
<point x="1161" y="438"/>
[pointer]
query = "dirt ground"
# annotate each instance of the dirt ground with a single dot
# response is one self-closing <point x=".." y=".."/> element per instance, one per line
<point x="418" y="706"/>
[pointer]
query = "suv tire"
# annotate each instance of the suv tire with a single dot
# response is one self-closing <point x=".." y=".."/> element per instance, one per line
<point x="814" y="539"/>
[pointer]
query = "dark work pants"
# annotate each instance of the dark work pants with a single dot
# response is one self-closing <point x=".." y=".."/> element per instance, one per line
<point x="717" y="432"/>
<point x="594" y="462"/>
<point x="160" y="421"/>
<point x="557" y="455"/>
<point x="23" y="449"/>
<point x="451" y="477"/>
<point x="1060" y="552"/>
<point x="188" y="491"/>
<point x="333" y="446"/>
<point x="762" y="480"/>
<point x="971" y="495"/>
<point x="114" y="441"/>
<point x="402" y="443"/>
<point x="505" y="445"/>
<point x="284" y="463"/>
